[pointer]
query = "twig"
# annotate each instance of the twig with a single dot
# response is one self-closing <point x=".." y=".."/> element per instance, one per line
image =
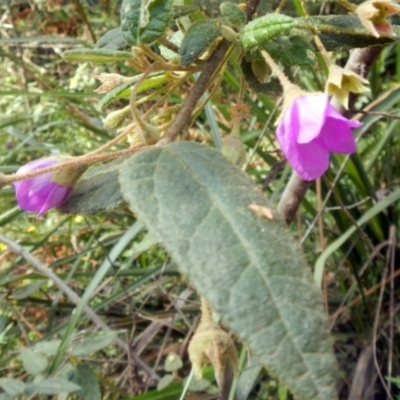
<point x="183" y="117"/>
<point x="90" y="313"/>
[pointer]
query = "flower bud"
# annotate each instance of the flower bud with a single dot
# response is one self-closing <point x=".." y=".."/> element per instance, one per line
<point x="116" y="118"/>
<point x="43" y="192"/>
<point x="234" y="150"/>
<point x="211" y="344"/>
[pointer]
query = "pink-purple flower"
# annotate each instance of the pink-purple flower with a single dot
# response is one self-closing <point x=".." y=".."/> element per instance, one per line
<point x="40" y="193"/>
<point x="310" y="129"/>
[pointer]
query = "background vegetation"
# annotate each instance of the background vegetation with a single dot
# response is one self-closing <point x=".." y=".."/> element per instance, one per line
<point x="48" y="107"/>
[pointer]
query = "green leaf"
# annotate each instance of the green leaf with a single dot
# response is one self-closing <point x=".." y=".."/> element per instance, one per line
<point x="235" y="15"/>
<point x="145" y="21"/>
<point x="198" y="39"/>
<point x="56" y="386"/>
<point x="84" y="377"/>
<point x="34" y="362"/>
<point x="248" y="378"/>
<point x="261" y="30"/>
<point x="172" y="362"/>
<point x="343" y="32"/>
<point x="124" y="90"/>
<point x="48" y="347"/>
<point x="96" y="55"/>
<point x="248" y="268"/>
<point x="92" y="342"/>
<point x="165" y="381"/>
<point x="112" y="40"/>
<point x="198" y="385"/>
<point x="291" y="51"/>
<point x="272" y="87"/>
<point x="11" y="386"/>
<point x="25" y="291"/>
<point x="96" y="190"/>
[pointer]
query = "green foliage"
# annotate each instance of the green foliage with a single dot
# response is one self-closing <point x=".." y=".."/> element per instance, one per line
<point x="129" y="309"/>
<point x="218" y="242"/>
<point x="262" y="30"/>
<point x="112" y="40"/>
<point x="100" y="56"/>
<point x="143" y="22"/>
<point x="291" y="51"/>
<point x="341" y="33"/>
<point x="198" y="39"/>
<point x="235" y="16"/>
<point x="96" y="190"/>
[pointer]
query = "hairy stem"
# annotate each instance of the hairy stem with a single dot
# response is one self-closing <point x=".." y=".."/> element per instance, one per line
<point x="75" y="161"/>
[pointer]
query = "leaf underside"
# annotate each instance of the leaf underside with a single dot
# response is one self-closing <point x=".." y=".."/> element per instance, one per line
<point x="96" y="190"/>
<point x="248" y="268"/>
<point x="345" y="32"/>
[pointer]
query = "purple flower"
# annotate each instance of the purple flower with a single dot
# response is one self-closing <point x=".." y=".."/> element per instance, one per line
<point x="40" y="193"/>
<point x="309" y="130"/>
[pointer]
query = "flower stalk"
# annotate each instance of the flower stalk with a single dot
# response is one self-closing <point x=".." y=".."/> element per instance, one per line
<point x="76" y="161"/>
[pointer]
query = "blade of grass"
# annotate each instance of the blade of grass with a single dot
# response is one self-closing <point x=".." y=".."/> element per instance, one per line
<point x="372" y="212"/>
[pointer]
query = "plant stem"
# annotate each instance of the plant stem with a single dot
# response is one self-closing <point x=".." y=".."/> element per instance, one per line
<point x="292" y="197"/>
<point x="317" y="40"/>
<point x="211" y="66"/>
<point x="183" y="117"/>
<point x="284" y="81"/>
<point x="81" y="160"/>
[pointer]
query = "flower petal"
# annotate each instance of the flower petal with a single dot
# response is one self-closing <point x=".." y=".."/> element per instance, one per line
<point x="309" y="160"/>
<point x="32" y="193"/>
<point x="55" y="198"/>
<point x="337" y="137"/>
<point x="311" y="110"/>
<point x="333" y="113"/>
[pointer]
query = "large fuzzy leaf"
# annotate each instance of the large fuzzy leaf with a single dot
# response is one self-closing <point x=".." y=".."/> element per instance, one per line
<point x="248" y="267"/>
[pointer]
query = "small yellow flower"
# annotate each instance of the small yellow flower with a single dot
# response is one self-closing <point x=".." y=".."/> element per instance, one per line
<point x="373" y="13"/>
<point x="341" y="82"/>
